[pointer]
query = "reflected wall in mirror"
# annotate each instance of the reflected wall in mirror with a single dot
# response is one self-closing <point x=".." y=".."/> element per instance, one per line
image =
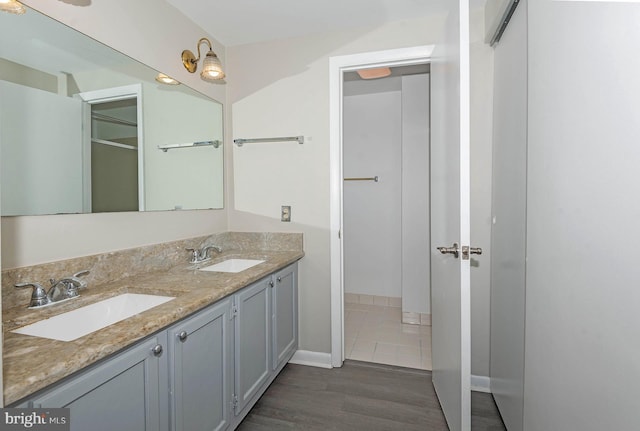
<point x="81" y="126"/>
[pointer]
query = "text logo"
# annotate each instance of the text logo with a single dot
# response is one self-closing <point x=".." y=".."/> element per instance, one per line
<point x="35" y="419"/>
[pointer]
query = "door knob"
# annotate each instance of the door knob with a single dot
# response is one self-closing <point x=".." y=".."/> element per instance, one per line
<point x="466" y="251"/>
<point x="454" y="250"/>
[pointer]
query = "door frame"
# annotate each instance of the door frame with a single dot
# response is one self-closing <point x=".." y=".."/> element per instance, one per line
<point x="133" y="91"/>
<point x="338" y="65"/>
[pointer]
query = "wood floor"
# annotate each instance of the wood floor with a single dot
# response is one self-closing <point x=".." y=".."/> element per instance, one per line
<point x="359" y="396"/>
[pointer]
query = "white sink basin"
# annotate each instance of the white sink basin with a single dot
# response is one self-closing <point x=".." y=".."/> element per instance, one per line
<point x="85" y="320"/>
<point x="232" y="265"/>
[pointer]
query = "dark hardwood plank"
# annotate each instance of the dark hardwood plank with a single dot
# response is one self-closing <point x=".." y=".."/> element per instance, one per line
<point x="484" y="413"/>
<point x="358" y="396"/>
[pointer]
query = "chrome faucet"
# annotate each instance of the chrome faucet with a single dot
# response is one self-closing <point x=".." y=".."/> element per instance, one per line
<point x="74" y="283"/>
<point x="65" y="288"/>
<point x="202" y="255"/>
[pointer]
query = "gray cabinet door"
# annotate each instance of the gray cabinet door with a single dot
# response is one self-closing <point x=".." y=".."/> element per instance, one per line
<point x="122" y="394"/>
<point x="201" y="370"/>
<point x="285" y="315"/>
<point x="252" y="341"/>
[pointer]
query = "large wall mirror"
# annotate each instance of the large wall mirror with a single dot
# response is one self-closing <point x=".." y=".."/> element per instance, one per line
<point x="84" y="128"/>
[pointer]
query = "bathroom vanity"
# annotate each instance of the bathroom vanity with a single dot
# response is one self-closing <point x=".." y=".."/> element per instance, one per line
<point x="197" y="362"/>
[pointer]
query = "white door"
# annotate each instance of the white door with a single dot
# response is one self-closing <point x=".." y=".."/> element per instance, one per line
<point x="41" y="151"/>
<point x="582" y="354"/>
<point x="450" y="220"/>
<point x="508" y="234"/>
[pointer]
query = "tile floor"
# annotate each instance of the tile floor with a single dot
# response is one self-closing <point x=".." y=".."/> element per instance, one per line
<point x="375" y="333"/>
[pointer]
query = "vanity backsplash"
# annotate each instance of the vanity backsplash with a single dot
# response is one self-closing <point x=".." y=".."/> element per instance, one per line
<point x="116" y="265"/>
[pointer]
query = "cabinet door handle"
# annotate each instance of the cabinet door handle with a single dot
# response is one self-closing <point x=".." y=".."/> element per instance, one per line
<point x="271" y="283"/>
<point x="183" y="336"/>
<point x="157" y="350"/>
<point x="279" y="279"/>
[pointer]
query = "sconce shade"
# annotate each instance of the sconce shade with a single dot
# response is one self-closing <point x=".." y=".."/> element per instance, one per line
<point x="12" y="6"/>
<point x="211" y="68"/>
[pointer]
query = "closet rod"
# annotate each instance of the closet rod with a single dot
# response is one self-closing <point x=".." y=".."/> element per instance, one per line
<point x="111" y="119"/>
<point x="240" y="142"/>
<point x="113" y="144"/>
<point x="363" y="179"/>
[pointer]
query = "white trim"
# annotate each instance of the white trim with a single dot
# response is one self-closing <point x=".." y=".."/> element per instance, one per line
<point x="338" y="65"/>
<point x="481" y="384"/>
<point x="465" y="212"/>
<point x="312" y="359"/>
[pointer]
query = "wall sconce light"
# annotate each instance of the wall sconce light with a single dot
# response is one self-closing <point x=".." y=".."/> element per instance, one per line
<point x="211" y="66"/>
<point x="12" y="6"/>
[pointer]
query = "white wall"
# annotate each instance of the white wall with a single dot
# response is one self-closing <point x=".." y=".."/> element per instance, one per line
<point x="289" y="97"/>
<point x="190" y="177"/>
<point x="582" y="323"/>
<point x="494" y="11"/>
<point x="372" y="226"/>
<point x="154" y="33"/>
<point x="416" y="240"/>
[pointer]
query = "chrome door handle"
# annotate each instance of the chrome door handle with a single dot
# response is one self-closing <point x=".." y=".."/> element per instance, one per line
<point x="466" y="251"/>
<point x="454" y="250"/>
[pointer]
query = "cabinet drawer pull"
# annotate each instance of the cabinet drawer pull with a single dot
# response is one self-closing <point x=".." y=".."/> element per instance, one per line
<point x="183" y="336"/>
<point x="157" y="350"/>
<point x="279" y="279"/>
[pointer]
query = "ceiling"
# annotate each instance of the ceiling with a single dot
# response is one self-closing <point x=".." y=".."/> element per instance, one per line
<point x="237" y="22"/>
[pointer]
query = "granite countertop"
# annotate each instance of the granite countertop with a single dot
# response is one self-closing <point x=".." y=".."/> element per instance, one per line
<point x="32" y="363"/>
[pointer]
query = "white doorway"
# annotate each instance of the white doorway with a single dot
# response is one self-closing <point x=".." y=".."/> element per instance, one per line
<point x="386" y="257"/>
<point x="114" y="149"/>
<point x="338" y="66"/>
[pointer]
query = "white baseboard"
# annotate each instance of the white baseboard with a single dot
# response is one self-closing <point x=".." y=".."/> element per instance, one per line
<point x="312" y="359"/>
<point x="481" y="384"/>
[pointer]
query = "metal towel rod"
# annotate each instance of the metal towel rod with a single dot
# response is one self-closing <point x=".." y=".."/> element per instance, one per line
<point x="240" y="142"/>
<point x="214" y="144"/>
<point x="363" y="179"/>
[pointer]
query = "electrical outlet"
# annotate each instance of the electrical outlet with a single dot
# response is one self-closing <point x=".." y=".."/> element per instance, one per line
<point x="285" y="214"/>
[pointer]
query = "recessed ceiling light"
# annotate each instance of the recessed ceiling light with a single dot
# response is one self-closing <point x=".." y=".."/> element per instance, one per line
<point x="165" y="79"/>
<point x="378" y="72"/>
